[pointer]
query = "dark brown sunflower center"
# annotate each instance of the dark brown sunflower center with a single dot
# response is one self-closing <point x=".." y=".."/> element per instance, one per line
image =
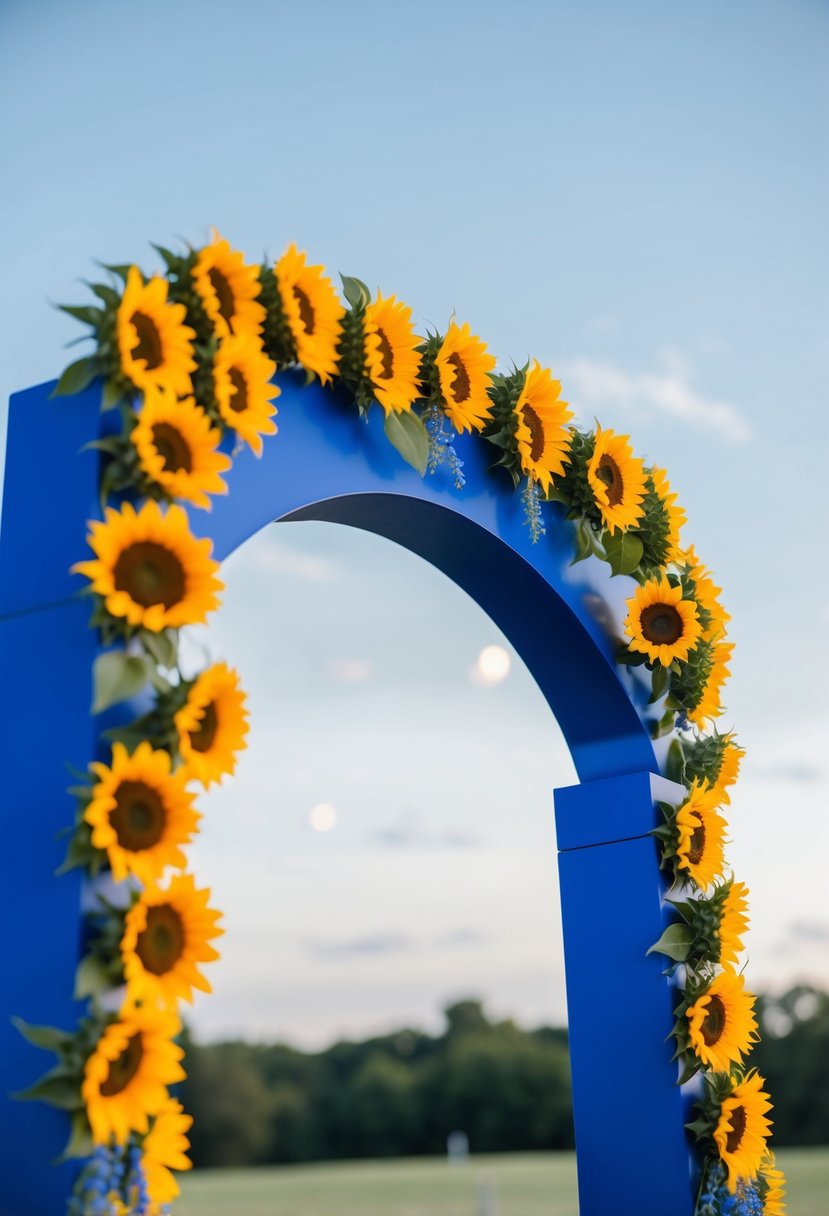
<point x="172" y="447"/>
<point x="461" y="386"/>
<point x="161" y="944"/>
<point x="610" y="476"/>
<point x="150" y="574"/>
<point x="661" y="624"/>
<point x="139" y="817"/>
<point x="306" y="311"/>
<point x="738" y="1127"/>
<point x="148" y="347"/>
<point x="696" y="845"/>
<point x="536" y="428"/>
<point x="713" y="1023"/>
<point x="201" y="739"/>
<point x="239" y="391"/>
<point x="386" y="354"/>
<point x="224" y="294"/>
<point x="122" y="1070"/>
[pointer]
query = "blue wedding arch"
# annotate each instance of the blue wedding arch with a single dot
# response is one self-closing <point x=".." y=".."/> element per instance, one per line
<point x="326" y="463"/>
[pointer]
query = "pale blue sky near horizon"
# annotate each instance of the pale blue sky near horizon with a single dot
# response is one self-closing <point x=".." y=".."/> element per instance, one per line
<point x="633" y="194"/>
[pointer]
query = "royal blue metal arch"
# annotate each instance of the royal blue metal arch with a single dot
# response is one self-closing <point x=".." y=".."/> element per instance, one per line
<point x="327" y="464"/>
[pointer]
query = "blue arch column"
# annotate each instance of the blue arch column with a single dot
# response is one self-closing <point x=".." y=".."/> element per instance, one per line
<point x="327" y="464"/>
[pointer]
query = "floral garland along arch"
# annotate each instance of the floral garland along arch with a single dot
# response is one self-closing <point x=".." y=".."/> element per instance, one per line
<point x="187" y="360"/>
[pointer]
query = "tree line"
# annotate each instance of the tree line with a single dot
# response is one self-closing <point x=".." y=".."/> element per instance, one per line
<point x="402" y="1094"/>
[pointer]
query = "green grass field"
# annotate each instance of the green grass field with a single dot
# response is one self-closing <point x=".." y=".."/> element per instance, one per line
<point x="525" y="1185"/>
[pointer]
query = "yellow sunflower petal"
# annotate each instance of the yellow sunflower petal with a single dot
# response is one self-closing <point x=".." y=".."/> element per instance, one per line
<point x="155" y="346"/>
<point x="228" y="288"/>
<point x="660" y="623"/>
<point x="618" y="481"/>
<point x="541" y="434"/>
<point x="464" y="367"/>
<point x="313" y="312"/>
<point x="149" y="569"/>
<point x="141" y="813"/>
<point x="126" y="1077"/>
<point x="391" y="355"/>
<point x="743" y="1129"/>
<point x="165" y="1149"/>
<point x="701" y="836"/>
<point x="242" y="376"/>
<point x="721" y="1022"/>
<point x="178" y="447"/>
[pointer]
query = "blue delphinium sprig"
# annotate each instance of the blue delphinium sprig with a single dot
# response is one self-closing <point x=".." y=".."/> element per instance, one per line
<point x="137" y="1184"/>
<point x="715" y="1199"/>
<point x="98" y="1182"/>
<point x="531" y="498"/>
<point x="442" y="445"/>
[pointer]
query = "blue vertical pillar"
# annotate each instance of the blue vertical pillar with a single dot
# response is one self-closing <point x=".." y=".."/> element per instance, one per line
<point x="632" y="1149"/>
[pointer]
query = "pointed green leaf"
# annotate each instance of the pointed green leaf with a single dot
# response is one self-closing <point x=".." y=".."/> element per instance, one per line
<point x="675" y="763"/>
<point x="79" y="1143"/>
<point x="112" y="395"/>
<point x="87" y="313"/>
<point x="408" y="434"/>
<point x="58" y="1088"/>
<point x="91" y="978"/>
<point x="50" y="1038"/>
<point x="107" y="294"/>
<point x="117" y="677"/>
<point x="675" y="942"/>
<point x="161" y="646"/>
<point x="355" y="291"/>
<point x="623" y="551"/>
<point x="660" y="680"/>
<point x="75" y="378"/>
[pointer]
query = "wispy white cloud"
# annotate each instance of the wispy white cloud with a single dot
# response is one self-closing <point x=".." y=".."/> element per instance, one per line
<point x="282" y="559"/>
<point x="592" y="384"/>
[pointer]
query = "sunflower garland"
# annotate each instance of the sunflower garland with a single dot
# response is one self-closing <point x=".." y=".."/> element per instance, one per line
<point x="188" y="358"/>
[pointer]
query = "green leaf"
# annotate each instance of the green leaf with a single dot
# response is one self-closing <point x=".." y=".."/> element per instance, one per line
<point x="583" y="545"/>
<point x="161" y="646"/>
<point x="121" y="269"/>
<point x="87" y="313"/>
<point x="50" y="1038"/>
<point x="107" y="294"/>
<point x="355" y="291"/>
<point x="675" y="942"/>
<point x="92" y="978"/>
<point x="117" y="677"/>
<point x="675" y="763"/>
<point x="660" y="679"/>
<point x="58" y="1088"/>
<point x="76" y="377"/>
<point x="623" y="550"/>
<point x="408" y="434"/>
<point x="79" y="1143"/>
<point x="112" y="395"/>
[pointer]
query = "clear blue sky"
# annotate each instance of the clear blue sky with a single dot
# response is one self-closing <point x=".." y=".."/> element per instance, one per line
<point x="636" y="194"/>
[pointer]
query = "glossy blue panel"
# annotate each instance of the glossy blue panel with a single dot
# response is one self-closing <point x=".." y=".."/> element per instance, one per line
<point x="49" y="492"/>
<point x="46" y="728"/>
<point x="327" y="464"/>
<point x="632" y="1151"/>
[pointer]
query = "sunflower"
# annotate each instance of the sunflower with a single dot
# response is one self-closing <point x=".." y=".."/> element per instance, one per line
<point x="710" y="705"/>
<point x="155" y="347"/>
<point x="140" y="812"/>
<point x="773" y="1183"/>
<point x="312" y="310"/>
<point x="178" y="448"/>
<point x="729" y="770"/>
<point x="707" y="594"/>
<point x="463" y="366"/>
<point x="164" y="1149"/>
<point x="660" y="623"/>
<point x="228" y="288"/>
<point x="676" y="517"/>
<point x="700" y="836"/>
<point x="721" y="1022"/>
<point x="541" y="435"/>
<point x="617" y="479"/>
<point x="149" y="569"/>
<point x="166" y="935"/>
<point x="391" y="356"/>
<point x="125" y="1078"/>
<point x="743" y="1129"/>
<point x="242" y="376"/>
<point x="733" y="923"/>
<point x="212" y="724"/>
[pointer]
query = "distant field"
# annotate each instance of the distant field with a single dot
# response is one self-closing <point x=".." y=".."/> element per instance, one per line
<point x="525" y="1185"/>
